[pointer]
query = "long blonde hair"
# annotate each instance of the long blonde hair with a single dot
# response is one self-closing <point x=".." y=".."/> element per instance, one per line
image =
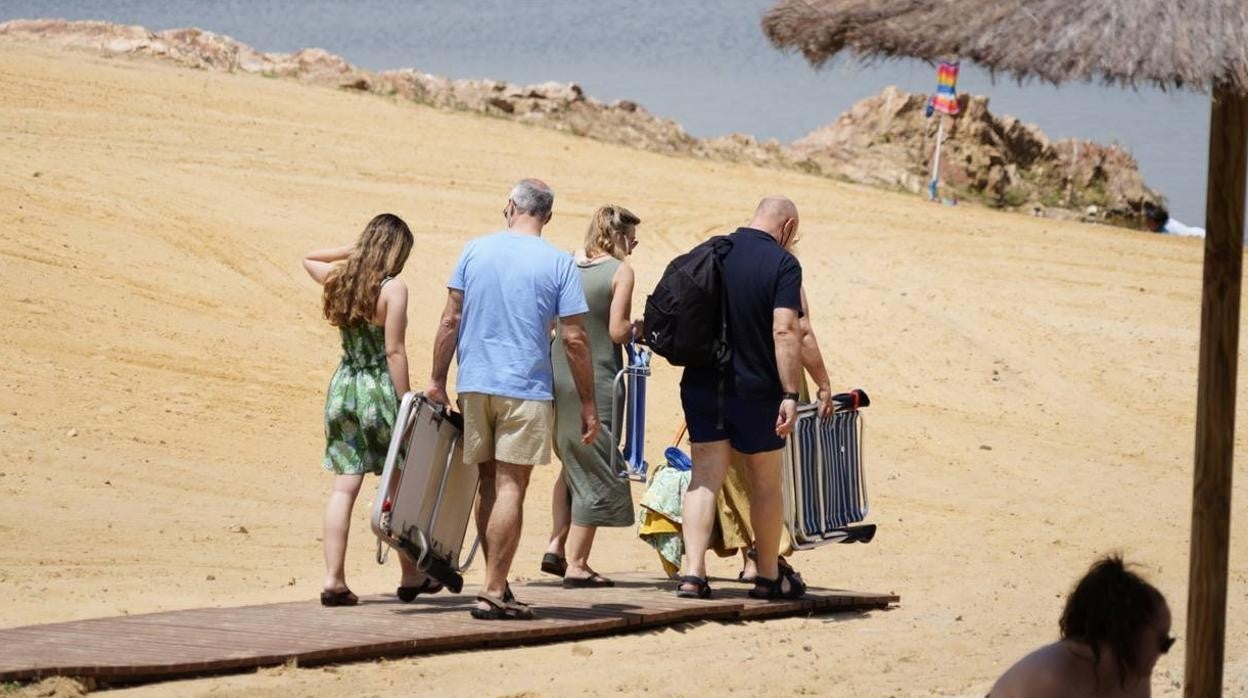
<point x="609" y="222"/>
<point x="352" y="287"/>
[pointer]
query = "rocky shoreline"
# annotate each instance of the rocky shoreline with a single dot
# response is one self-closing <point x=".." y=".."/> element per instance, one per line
<point x="883" y="140"/>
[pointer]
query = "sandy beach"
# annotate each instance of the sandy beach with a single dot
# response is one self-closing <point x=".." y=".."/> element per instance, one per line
<point x="1033" y="383"/>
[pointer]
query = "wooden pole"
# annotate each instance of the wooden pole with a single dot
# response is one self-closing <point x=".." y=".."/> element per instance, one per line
<point x="1215" y="394"/>
<point x="679" y="434"/>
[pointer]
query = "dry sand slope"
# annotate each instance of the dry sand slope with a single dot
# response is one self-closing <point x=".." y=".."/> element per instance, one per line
<point x="165" y="365"/>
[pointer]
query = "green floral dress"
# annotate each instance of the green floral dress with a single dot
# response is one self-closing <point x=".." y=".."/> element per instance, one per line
<point x="361" y="406"/>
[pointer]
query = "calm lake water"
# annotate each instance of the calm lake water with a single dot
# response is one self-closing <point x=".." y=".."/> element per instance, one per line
<point x="704" y="63"/>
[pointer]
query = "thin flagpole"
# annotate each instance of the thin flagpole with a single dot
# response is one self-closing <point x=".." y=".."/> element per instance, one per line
<point x="935" y="183"/>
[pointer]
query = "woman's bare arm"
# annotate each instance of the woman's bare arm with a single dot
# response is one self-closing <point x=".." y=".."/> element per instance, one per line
<point x="619" y="323"/>
<point x="395" y="295"/>
<point x="318" y="262"/>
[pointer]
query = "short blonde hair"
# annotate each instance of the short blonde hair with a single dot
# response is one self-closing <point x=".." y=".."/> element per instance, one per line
<point x="609" y="222"/>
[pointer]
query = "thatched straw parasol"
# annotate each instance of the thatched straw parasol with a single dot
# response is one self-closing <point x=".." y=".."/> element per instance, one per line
<point x="1194" y="44"/>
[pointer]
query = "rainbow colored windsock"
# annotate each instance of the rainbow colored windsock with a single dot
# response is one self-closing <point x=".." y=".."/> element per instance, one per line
<point x="945" y="100"/>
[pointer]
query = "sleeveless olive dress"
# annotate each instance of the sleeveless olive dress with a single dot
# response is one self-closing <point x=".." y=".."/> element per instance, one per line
<point x="361" y="406"/>
<point x="599" y="496"/>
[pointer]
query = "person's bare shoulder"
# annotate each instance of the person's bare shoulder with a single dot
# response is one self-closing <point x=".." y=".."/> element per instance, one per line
<point x="1049" y="672"/>
<point x="394" y="287"/>
<point x="393" y="295"/>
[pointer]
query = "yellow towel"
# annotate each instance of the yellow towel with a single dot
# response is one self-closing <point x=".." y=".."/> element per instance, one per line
<point x="732" y="522"/>
<point x="658" y="530"/>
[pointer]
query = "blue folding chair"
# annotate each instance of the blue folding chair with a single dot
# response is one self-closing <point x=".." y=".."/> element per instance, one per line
<point x="632" y="378"/>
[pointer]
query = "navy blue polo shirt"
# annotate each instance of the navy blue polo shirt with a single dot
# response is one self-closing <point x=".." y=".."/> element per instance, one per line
<point x="759" y="276"/>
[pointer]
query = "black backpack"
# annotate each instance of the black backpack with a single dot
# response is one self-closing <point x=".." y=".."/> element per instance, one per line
<point x="686" y="320"/>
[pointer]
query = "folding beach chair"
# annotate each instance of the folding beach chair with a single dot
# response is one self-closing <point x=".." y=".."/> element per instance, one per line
<point x="825" y="492"/>
<point x="426" y="493"/>
<point x="632" y="464"/>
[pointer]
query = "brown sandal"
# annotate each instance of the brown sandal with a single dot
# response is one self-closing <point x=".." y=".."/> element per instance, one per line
<point x="506" y="608"/>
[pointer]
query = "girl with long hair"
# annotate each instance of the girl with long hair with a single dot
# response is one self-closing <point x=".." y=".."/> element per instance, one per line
<point x="365" y="300"/>
<point x="589" y="493"/>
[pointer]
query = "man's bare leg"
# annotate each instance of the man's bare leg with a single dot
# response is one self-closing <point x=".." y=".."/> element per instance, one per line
<point x="486" y="494"/>
<point x="710" y="465"/>
<point x="766" y="510"/>
<point x="505" y="519"/>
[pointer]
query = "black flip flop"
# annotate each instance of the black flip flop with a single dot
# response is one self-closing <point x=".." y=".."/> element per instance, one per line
<point x="593" y="581"/>
<point x="409" y="594"/>
<point x="339" y="598"/>
<point x="553" y="564"/>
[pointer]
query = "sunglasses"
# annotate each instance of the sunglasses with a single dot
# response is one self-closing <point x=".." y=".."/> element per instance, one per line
<point x="1164" y="643"/>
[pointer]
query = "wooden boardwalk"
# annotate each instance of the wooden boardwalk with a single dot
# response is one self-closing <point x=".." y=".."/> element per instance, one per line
<point x="174" y="644"/>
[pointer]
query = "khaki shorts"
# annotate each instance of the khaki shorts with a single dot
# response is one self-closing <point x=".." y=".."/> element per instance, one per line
<point x="506" y="429"/>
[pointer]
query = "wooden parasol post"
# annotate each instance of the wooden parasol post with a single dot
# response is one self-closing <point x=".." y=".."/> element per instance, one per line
<point x="1215" y="393"/>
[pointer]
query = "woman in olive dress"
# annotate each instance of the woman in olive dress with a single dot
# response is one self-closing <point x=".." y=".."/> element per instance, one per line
<point x="590" y="493"/>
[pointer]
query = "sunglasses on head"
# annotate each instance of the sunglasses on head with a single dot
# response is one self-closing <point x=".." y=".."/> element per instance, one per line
<point x="1165" y="642"/>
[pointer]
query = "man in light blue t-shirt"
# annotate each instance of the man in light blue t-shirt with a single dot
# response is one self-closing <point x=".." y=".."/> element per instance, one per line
<point x="503" y="298"/>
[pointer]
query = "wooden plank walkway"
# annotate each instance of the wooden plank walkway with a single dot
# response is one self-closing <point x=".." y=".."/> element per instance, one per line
<point x="199" y="641"/>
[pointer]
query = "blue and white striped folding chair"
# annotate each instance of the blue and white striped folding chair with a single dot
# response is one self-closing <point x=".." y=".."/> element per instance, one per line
<point x="824" y="488"/>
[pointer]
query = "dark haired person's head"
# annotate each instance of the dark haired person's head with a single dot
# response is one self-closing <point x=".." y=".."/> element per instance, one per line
<point x="1113" y="609"/>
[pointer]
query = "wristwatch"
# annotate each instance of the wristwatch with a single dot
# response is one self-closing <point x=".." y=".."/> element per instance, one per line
<point x="789" y="396"/>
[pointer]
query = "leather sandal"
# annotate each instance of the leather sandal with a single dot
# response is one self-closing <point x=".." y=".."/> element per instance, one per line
<point x="773" y="589"/>
<point x="702" y="590"/>
<point x="506" y="608"/>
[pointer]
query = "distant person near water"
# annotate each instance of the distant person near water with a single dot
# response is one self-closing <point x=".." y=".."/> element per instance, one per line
<point x="1158" y="220"/>
<point x="1114" y="629"/>
<point x="751" y="406"/>
<point x="506" y="292"/>
<point x="589" y="492"/>
<point x="367" y="303"/>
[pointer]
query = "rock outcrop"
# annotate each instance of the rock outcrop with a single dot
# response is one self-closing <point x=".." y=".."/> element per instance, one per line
<point x="888" y="141"/>
<point x="883" y="140"/>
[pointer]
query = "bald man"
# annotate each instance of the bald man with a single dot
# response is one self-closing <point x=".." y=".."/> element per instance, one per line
<point x="763" y="284"/>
